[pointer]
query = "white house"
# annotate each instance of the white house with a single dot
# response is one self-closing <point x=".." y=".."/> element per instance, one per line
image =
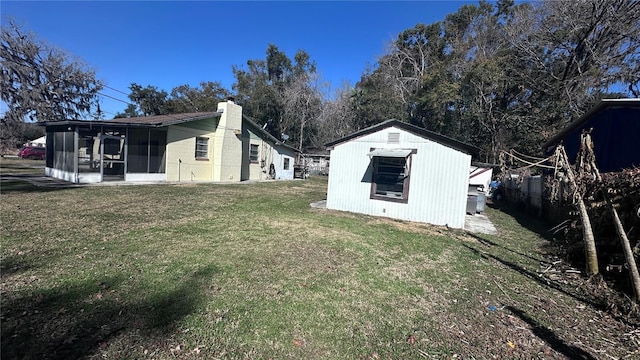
<point x="480" y="175"/>
<point x="400" y="171"/>
<point x="201" y="147"/>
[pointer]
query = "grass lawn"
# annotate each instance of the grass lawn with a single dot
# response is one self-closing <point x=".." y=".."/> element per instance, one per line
<point x="251" y="271"/>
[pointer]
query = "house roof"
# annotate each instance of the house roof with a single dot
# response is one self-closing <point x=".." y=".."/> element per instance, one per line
<point x="444" y="140"/>
<point x="265" y="134"/>
<point x="142" y="121"/>
<point x="602" y="105"/>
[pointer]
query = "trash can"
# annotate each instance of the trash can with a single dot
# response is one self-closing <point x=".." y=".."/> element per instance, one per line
<point x="472" y="203"/>
<point x="481" y="201"/>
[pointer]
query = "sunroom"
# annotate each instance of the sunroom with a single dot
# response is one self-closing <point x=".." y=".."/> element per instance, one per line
<point x="86" y="152"/>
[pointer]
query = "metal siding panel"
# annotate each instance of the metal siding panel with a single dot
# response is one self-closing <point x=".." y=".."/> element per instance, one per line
<point x="441" y="194"/>
<point x="438" y="187"/>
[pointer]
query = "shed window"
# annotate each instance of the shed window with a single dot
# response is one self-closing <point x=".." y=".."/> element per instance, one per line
<point x="202" y="148"/>
<point x="391" y="177"/>
<point x="286" y="164"/>
<point x="253" y="153"/>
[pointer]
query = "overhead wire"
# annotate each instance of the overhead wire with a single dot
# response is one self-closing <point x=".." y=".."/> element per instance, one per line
<point x="116" y="90"/>
<point x="525" y="155"/>
<point x="529" y="163"/>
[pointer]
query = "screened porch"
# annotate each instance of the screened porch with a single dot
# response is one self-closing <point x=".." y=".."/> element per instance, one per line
<point x="89" y="154"/>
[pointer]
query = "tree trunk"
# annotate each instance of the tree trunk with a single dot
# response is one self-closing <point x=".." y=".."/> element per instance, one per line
<point x="626" y="245"/>
<point x="591" y="253"/>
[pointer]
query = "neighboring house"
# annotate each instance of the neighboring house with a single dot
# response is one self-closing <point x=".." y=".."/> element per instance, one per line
<point x="480" y="175"/>
<point x="316" y="160"/>
<point x="212" y="146"/>
<point x="400" y="171"/>
<point x="615" y="134"/>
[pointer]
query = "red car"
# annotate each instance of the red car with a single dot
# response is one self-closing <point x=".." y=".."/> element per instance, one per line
<point x="32" y="152"/>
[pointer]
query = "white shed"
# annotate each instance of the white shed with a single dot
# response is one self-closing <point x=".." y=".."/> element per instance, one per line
<point x="400" y="171"/>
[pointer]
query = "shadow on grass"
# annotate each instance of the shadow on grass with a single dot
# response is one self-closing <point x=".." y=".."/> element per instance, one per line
<point x="534" y="276"/>
<point x="526" y="219"/>
<point x="76" y="321"/>
<point x="27" y="183"/>
<point x="548" y="336"/>
<point x="488" y="242"/>
<point x="12" y="265"/>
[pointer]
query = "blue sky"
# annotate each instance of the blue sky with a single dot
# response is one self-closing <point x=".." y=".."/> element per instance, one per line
<point x="167" y="43"/>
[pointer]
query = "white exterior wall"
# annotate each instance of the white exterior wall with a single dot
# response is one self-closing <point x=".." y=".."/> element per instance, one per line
<point x="481" y="176"/>
<point x="278" y="161"/>
<point x="267" y="155"/>
<point x="144" y="177"/>
<point x="438" y="180"/>
<point x="65" y="175"/>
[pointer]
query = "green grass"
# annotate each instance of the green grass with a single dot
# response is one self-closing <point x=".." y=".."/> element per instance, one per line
<point x="16" y="165"/>
<point x="251" y="271"/>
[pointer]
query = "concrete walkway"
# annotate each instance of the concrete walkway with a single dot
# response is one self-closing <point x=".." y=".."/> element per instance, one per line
<point x="479" y="223"/>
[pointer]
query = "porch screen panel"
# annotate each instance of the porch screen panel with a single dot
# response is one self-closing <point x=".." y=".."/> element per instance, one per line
<point x="69" y="151"/>
<point x="50" y="149"/>
<point x="138" y="154"/>
<point x="88" y="151"/>
<point x="157" y="153"/>
<point x="58" y="150"/>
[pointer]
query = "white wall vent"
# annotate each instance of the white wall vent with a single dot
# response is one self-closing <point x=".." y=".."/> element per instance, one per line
<point x="393" y="138"/>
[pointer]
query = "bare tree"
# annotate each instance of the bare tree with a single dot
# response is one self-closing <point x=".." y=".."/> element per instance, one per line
<point x="337" y="117"/>
<point x="574" y="51"/>
<point x="302" y="100"/>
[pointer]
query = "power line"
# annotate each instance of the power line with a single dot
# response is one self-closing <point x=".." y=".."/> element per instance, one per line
<point x="111" y="97"/>
<point x="116" y="90"/>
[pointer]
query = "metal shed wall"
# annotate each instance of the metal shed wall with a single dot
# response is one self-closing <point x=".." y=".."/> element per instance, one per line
<point x="438" y="182"/>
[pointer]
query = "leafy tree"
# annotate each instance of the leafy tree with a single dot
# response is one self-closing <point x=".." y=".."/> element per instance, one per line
<point x="375" y="99"/>
<point x="281" y="94"/>
<point x="130" y="111"/>
<point x="206" y="97"/>
<point x="149" y="100"/>
<point x="42" y="82"/>
<point x="258" y="98"/>
<point x="15" y="133"/>
<point x="183" y="99"/>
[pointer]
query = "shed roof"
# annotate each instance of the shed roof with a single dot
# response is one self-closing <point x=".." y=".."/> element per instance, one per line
<point x="427" y="134"/>
<point x="141" y="121"/>
<point x="602" y="105"/>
